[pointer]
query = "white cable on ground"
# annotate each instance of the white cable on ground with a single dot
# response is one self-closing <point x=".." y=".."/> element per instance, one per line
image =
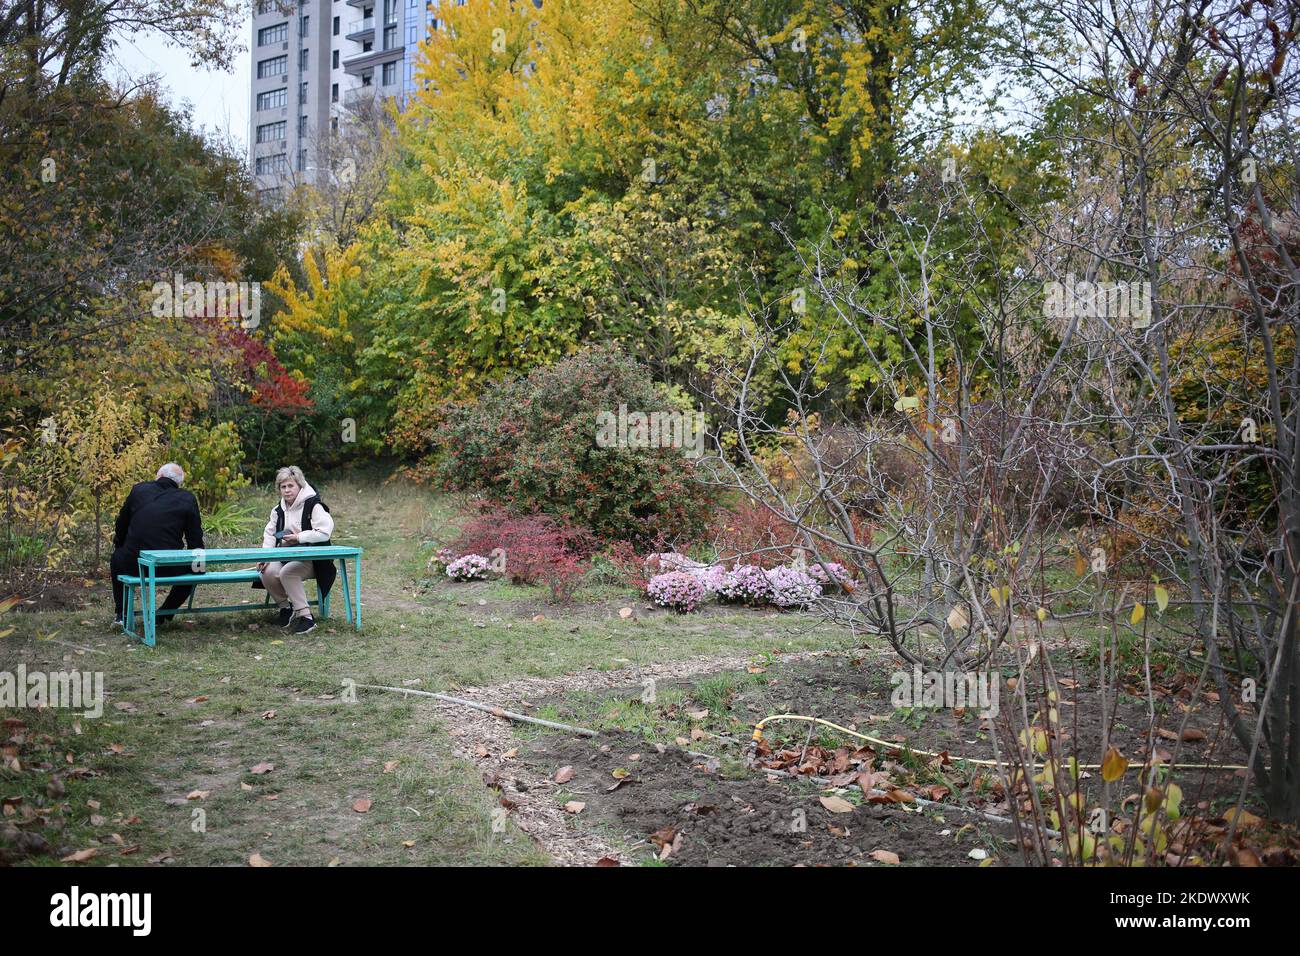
<point x="486" y="708"/>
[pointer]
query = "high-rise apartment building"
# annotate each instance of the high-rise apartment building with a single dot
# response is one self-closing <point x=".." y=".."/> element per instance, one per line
<point x="314" y="61"/>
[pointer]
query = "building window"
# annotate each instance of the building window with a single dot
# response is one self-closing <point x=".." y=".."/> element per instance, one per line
<point x="304" y="25"/>
<point x="271" y="164"/>
<point x="302" y="126"/>
<point x="276" y="66"/>
<point x="276" y="34"/>
<point x="336" y="26"/>
<point x="272" y="99"/>
<point x="390" y="74"/>
<point x="390" y="37"/>
<point x="265" y="6"/>
<point x="302" y="160"/>
<point x="367" y="79"/>
<point x="302" y="94"/>
<point x="302" y="58"/>
<point x="334" y="61"/>
<point x="272" y="195"/>
<point x="334" y="92"/>
<point x="270" y="132"/>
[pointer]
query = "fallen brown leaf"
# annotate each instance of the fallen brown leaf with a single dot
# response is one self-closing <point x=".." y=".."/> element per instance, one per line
<point x="836" y="804"/>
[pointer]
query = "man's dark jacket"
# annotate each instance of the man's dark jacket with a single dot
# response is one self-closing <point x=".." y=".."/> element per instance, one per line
<point x="156" y="516"/>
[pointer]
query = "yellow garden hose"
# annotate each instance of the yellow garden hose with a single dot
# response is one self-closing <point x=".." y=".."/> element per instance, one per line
<point x="758" y="735"/>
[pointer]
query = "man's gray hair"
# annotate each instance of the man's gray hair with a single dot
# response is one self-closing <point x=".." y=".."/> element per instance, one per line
<point x="173" y="471"/>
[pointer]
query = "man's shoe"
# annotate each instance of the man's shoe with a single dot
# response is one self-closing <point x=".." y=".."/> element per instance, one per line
<point x="284" y="617"/>
<point x="303" y="625"/>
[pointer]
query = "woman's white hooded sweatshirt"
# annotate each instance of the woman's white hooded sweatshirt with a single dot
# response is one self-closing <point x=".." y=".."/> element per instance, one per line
<point x="322" y="525"/>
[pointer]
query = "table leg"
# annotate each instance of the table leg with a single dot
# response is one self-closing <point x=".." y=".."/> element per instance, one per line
<point x="357" y="605"/>
<point x="347" y="590"/>
<point x="149" y="609"/>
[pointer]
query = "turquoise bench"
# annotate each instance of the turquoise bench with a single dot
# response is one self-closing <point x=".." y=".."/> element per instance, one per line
<point x="132" y="582"/>
<point x="148" y="581"/>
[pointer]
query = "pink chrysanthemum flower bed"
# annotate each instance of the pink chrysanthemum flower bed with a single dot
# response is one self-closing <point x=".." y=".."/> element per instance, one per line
<point x="745" y="584"/>
<point x="470" y="567"/>
<point x="677" y="590"/>
<point x="839" y="574"/>
<point x="792" y="587"/>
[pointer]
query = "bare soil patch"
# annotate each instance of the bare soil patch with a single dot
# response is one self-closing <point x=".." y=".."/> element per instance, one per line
<point x="712" y="799"/>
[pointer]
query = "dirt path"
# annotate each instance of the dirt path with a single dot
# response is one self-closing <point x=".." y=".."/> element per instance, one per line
<point x="489" y="742"/>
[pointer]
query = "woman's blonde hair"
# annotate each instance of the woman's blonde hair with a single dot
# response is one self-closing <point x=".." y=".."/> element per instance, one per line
<point x="290" y="471"/>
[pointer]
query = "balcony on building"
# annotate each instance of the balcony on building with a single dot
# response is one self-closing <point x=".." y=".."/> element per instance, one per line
<point x="361" y="30"/>
<point x="360" y="94"/>
<point x="358" y="63"/>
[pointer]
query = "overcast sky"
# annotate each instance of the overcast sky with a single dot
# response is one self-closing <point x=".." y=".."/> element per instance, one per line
<point x="220" y="100"/>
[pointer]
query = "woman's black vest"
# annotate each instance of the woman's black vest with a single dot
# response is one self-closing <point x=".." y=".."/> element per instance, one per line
<point x="324" y="570"/>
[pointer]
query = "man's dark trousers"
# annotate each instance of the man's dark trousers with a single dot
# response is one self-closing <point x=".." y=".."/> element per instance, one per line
<point x="123" y="562"/>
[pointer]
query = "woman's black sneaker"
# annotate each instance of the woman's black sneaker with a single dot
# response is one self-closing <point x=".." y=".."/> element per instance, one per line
<point x="284" y="617"/>
<point x="303" y="625"/>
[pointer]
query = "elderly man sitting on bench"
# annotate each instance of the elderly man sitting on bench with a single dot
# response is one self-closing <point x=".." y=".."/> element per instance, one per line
<point x="157" y="515"/>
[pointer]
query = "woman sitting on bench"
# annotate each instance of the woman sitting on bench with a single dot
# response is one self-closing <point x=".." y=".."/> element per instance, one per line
<point x="301" y="518"/>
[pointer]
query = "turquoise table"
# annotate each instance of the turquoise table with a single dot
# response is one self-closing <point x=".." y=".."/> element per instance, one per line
<point x="200" y="560"/>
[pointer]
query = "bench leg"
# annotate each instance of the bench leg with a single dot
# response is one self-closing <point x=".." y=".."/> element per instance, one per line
<point x="128" y="612"/>
<point x="323" y="602"/>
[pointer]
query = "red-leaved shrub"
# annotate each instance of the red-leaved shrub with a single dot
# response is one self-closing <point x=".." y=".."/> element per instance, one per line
<point x="751" y="533"/>
<point x="535" y="549"/>
<point x="630" y="563"/>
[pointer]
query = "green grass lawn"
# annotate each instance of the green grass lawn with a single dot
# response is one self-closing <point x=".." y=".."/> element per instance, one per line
<point x="222" y="694"/>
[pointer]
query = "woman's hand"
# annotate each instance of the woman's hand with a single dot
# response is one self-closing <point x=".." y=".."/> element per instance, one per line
<point x="261" y="567"/>
<point x="290" y="539"/>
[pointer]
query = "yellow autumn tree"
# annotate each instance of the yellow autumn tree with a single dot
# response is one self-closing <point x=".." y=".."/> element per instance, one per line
<point x="107" y="445"/>
<point x="315" y="319"/>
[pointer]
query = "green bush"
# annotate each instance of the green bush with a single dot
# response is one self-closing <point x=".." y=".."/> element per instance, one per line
<point x="212" y="458"/>
<point x="530" y="443"/>
<point x="232" y="524"/>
